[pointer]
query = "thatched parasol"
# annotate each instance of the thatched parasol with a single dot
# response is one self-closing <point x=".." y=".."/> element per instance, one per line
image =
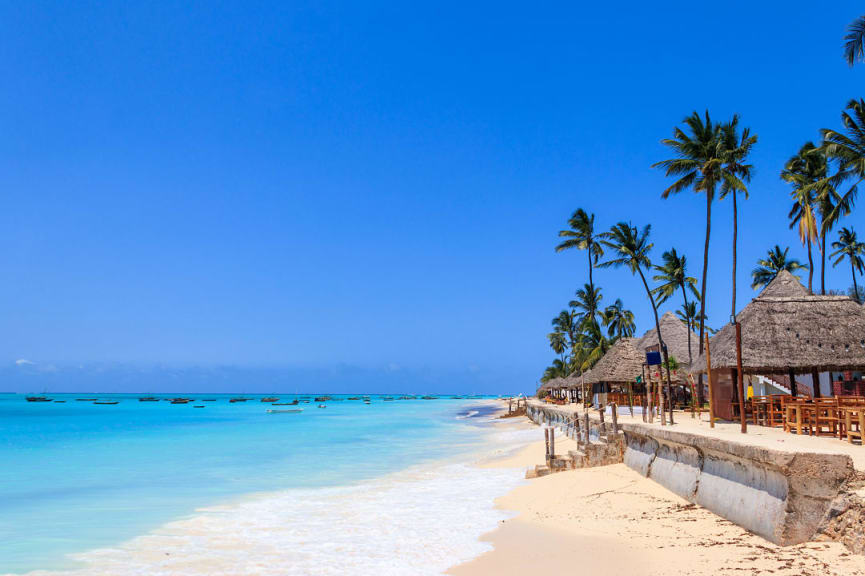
<point x="622" y="363"/>
<point x="675" y="333"/>
<point x="787" y="329"/>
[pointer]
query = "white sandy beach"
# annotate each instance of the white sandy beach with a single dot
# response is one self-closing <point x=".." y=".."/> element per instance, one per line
<point x="611" y="520"/>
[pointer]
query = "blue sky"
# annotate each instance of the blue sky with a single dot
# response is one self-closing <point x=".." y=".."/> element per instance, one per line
<point x="374" y="185"/>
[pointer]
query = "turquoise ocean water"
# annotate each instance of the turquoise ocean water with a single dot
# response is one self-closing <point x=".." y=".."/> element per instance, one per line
<point x="75" y="476"/>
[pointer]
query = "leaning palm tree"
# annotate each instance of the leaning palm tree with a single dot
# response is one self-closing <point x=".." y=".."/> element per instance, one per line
<point x="618" y="321"/>
<point x="593" y="345"/>
<point x="805" y="172"/>
<point x="850" y="247"/>
<point x="565" y="323"/>
<point x="854" y="41"/>
<point x="697" y="165"/>
<point x="769" y="267"/>
<point x="581" y="235"/>
<point x="735" y="175"/>
<point x="630" y="248"/>
<point x="673" y="277"/>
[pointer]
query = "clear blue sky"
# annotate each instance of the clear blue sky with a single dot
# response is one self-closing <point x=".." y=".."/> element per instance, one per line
<point x="379" y="185"/>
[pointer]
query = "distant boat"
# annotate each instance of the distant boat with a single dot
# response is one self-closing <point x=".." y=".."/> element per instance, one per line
<point x="38" y="399"/>
<point x="292" y="403"/>
<point x="355" y="398"/>
<point x="199" y="406"/>
<point x="148" y="399"/>
<point x="428" y="398"/>
<point x="322" y="405"/>
<point x="86" y="399"/>
<point x="60" y="401"/>
<point x="208" y="399"/>
<point x="233" y="400"/>
<point x="291" y="411"/>
<point x="322" y="398"/>
<point x="181" y="400"/>
<point x="107" y="403"/>
<point x="270" y="399"/>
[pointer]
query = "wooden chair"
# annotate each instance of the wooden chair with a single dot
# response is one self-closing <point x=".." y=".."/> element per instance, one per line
<point x="798" y="415"/>
<point x="776" y="409"/>
<point x="827" y="421"/>
<point x="760" y="406"/>
<point x="854" y="422"/>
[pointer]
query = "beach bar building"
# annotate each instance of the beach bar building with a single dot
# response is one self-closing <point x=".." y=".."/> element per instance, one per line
<point x="675" y="333"/>
<point x="616" y="371"/>
<point x="786" y="330"/>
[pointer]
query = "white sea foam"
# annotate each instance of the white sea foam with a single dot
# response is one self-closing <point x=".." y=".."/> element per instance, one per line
<point x="417" y="522"/>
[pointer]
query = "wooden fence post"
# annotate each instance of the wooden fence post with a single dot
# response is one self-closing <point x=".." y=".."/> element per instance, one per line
<point x="709" y="375"/>
<point x="615" y="412"/>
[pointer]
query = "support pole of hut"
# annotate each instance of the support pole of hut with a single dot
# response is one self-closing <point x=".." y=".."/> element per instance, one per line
<point x="615" y="412"/>
<point x="661" y="411"/>
<point x="547" y="443"/>
<point x="709" y="380"/>
<point x="646" y="385"/>
<point x="631" y="398"/>
<point x="588" y="426"/>
<point x="815" y="382"/>
<point x="740" y="381"/>
<point x="792" y="376"/>
<point x="552" y="443"/>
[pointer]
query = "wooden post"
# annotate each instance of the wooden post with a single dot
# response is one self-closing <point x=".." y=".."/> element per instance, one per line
<point x="709" y="378"/>
<point x="792" y="376"/>
<point x="661" y="412"/>
<point x="740" y="379"/>
<point x="815" y="382"/>
<point x="615" y="412"/>
<point x="646" y="384"/>
<point x="547" y="442"/>
<point x="588" y="427"/>
<point x="631" y="398"/>
<point x="552" y="443"/>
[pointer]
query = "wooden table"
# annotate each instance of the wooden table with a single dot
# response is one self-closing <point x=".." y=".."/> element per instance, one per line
<point x="796" y="408"/>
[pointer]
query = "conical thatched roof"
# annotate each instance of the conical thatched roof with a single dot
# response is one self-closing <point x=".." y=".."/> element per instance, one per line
<point x="573" y="381"/>
<point x="675" y="333"/>
<point x="622" y="363"/>
<point x="785" y="327"/>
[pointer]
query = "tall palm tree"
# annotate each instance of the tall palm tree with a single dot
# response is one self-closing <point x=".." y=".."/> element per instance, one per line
<point x="618" y="321"/>
<point x="558" y="369"/>
<point x="805" y="171"/>
<point x="565" y="324"/>
<point x="581" y="235"/>
<point x="854" y="41"/>
<point x="673" y="276"/>
<point x="688" y="315"/>
<point x="850" y="247"/>
<point x="848" y="149"/>
<point x="630" y="248"/>
<point x="769" y="267"/>
<point x="735" y="174"/>
<point x="587" y="304"/>
<point x="697" y="165"/>
<point x="593" y="345"/>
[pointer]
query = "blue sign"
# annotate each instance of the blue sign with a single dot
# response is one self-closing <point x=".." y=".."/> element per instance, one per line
<point x="653" y="358"/>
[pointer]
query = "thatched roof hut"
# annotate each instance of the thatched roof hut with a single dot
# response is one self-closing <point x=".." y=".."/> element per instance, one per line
<point x="622" y="363"/>
<point x="785" y="329"/>
<point x="675" y="333"/>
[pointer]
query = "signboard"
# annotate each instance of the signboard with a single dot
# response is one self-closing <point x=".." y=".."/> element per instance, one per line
<point x="653" y="358"/>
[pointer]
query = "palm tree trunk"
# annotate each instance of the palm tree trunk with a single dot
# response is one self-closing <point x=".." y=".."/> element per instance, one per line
<point x="823" y="264"/>
<point x="855" y="286"/>
<point x="810" y="266"/>
<point x="589" y="252"/>
<point x="685" y="297"/>
<point x="663" y="349"/>
<point x="705" y="267"/>
<point x="735" y="233"/>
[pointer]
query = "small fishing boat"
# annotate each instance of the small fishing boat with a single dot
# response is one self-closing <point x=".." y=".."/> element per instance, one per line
<point x="148" y="399"/>
<point x="290" y="411"/>
<point x="208" y="399"/>
<point x="428" y="398"/>
<point x="322" y="405"/>
<point x="292" y="403"/>
<point x="86" y="399"/>
<point x="355" y="398"/>
<point x="270" y="399"/>
<point x="322" y="398"/>
<point x="108" y="403"/>
<point x="37" y="399"/>
<point x="60" y="401"/>
<point x="199" y="406"/>
<point x="181" y="400"/>
<point x="233" y="400"/>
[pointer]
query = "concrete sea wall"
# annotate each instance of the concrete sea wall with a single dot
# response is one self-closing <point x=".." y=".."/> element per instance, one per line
<point x="782" y="496"/>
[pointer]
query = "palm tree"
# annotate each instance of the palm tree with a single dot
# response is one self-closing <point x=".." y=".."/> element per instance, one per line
<point x="593" y="346"/>
<point x="735" y="174"/>
<point x="854" y="41"/>
<point x="565" y="324"/>
<point x="631" y="249"/>
<point x="697" y="165"/>
<point x="581" y="235"/>
<point x="587" y="304"/>
<point x="673" y="276"/>
<point x="850" y="247"/>
<point x="619" y="322"/>
<point x="768" y="268"/>
<point x="558" y="369"/>
<point x="805" y="171"/>
<point x="558" y="343"/>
